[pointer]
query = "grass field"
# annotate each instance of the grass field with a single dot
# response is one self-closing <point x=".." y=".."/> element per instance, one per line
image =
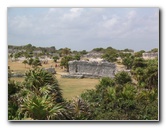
<point x="74" y="87"/>
<point x="70" y="87"/>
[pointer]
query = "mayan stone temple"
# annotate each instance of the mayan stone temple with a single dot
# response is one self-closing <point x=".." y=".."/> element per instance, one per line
<point x="90" y="69"/>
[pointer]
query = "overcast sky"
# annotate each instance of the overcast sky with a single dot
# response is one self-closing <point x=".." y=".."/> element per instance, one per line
<point x="85" y="28"/>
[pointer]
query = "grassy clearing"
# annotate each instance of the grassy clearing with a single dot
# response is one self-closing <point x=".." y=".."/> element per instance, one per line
<point x="70" y="87"/>
<point x="19" y="66"/>
<point x="74" y="87"/>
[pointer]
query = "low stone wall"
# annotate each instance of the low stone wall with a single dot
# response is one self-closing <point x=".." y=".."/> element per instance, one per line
<point x="72" y="76"/>
<point x="92" y="69"/>
<point x="17" y="75"/>
<point x="51" y="70"/>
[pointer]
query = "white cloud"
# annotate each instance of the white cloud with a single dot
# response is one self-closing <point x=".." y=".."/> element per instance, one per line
<point x="110" y="23"/>
<point x="21" y="22"/>
<point x="131" y="14"/>
<point x="73" y="13"/>
<point x="82" y="26"/>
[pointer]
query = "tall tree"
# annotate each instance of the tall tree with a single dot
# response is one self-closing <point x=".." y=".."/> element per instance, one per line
<point x="65" y="60"/>
<point x="66" y="51"/>
<point x="25" y="62"/>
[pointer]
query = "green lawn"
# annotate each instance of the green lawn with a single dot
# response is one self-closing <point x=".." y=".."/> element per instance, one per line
<point x="71" y="87"/>
<point x="74" y="87"/>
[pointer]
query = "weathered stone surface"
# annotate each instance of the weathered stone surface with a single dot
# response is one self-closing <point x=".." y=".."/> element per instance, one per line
<point x="93" y="54"/>
<point x="17" y="75"/>
<point x="92" y="69"/>
<point x="51" y="70"/>
<point x="72" y="76"/>
<point x="152" y="55"/>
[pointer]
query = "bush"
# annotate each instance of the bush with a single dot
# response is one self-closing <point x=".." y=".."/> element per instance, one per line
<point x="122" y="78"/>
<point x="104" y="83"/>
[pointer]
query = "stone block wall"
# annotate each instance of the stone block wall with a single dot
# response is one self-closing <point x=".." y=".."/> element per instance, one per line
<point x="150" y="55"/>
<point x="92" y="69"/>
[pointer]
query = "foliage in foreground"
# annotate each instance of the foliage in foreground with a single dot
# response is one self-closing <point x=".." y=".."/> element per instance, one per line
<point x="114" y="100"/>
<point x="40" y="98"/>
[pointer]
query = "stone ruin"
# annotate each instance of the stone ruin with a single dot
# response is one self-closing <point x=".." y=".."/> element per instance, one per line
<point x="90" y="69"/>
<point x="152" y="55"/>
<point x="50" y="70"/>
<point x="93" y="54"/>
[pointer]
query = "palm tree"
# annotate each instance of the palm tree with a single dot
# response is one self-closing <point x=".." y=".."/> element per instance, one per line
<point x="38" y="79"/>
<point x="78" y="109"/>
<point x="39" y="97"/>
<point x="40" y="108"/>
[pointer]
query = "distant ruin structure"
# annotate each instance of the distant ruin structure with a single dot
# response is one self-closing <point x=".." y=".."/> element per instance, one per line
<point x="91" y="69"/>
<point x="151" y="55"/>
<point x="92" y="55"/>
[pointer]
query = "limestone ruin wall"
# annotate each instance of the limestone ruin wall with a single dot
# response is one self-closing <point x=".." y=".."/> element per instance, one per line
<point x="150" y="55"/>
<point x="92" y="69"/>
